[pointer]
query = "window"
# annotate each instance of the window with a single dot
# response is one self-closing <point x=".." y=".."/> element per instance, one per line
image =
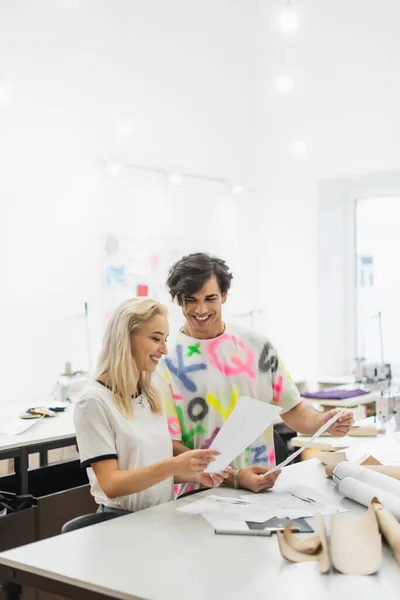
<point x="378" y="280"/>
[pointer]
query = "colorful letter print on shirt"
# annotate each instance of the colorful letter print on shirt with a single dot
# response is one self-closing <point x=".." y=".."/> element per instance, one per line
<point x="206" y="378"/>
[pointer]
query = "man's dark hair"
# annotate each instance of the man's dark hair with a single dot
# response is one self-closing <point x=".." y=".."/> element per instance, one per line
<point x="188" y="275"/>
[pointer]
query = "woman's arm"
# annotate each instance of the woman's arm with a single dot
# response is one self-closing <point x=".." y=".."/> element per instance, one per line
<point x="186" y="467"/>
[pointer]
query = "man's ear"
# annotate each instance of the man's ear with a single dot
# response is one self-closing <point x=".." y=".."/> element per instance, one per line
<point x="224" y="298"/>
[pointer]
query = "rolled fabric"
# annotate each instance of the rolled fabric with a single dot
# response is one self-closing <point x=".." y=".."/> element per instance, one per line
<point x="388" y="526"/>
<point x="363" y="494"/>
<point x="390" y="470"/>
<point x="379" y="481"/>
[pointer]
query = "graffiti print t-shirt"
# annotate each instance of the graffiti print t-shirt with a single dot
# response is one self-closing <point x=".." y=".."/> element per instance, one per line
<point x="206" y="378"/>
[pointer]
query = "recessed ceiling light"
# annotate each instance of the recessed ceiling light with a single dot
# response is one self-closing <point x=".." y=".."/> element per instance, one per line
<point x="298" y="148"/>
<point x="288" y="20"/>
<point x="284" y="84"/>
<point x="113" y="168"/>
<point x="5" y="91"/>
<point x="237" y="189"/>
<point x="175" y="178"/>
<point x="126" y="127"/>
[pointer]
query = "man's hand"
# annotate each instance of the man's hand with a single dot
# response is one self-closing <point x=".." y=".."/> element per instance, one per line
<point x="256" y="479"/>
<point x="342" y="426"/>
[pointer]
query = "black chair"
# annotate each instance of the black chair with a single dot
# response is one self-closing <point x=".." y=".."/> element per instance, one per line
<point x="86" y="520"/>
<point x="281" y="452"/>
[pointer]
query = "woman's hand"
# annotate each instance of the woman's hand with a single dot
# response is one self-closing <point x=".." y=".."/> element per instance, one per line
<point x="213" y="479"/>
<point x="190" y="465"/>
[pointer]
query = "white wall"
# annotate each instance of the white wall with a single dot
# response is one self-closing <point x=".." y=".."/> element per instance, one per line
<point x="198" y="79"/>
<point x="185" y="71"/>
<point x="346" y="59"/>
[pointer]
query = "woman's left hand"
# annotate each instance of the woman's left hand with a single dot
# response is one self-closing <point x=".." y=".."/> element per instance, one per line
<point x="213" y="480"/>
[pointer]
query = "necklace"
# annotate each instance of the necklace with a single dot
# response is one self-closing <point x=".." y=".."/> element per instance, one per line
<point x="182" y="330"/>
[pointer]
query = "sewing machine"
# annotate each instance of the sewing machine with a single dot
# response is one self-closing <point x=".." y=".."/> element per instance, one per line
<point x="388" y="406"/>
<point x="373" y="374"/>
<point x="69" y="386"/>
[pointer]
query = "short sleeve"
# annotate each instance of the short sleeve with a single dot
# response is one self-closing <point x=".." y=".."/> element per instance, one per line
<point x="273" y="372"/>
<point x="168" y="400"/>
<point x="285" y="393"/>
<point x="94" y="433"/>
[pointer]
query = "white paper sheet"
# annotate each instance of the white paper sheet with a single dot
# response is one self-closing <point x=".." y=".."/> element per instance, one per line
<point x="293" y="502"/>
<point x="386" y="449"/>
<point x="310" y="441"/>
<point x="16" y="425"/>
<point x="247" y="421"/>
<point x="223" y="524"/>
<point x="232" y="509"/>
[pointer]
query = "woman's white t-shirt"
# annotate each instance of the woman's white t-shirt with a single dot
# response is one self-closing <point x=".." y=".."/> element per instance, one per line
<point x="103" y="433"/>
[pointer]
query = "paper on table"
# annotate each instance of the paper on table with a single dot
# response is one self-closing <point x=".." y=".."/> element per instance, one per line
<point x="15" y="425"/>
<point x="223" y="524"/>
<point x="310" y="441"/>
<point x="247" y="421"/>
<point x="232" y="509"/>
<point x="293" y="502"/>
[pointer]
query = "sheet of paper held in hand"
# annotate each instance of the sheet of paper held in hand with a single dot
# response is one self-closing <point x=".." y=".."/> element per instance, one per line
<point x="247" y="421"/>
<point x="310" y="441"/>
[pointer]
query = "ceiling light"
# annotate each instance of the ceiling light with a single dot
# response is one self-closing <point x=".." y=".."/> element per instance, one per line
<point x="237" y="189"/>
<point x="175" y="178"/>
<point x="113" y="168"/>
<point x="5" y="92"/>
<point x="126" y="127"/>
<point x="288" y="20"/>
<point x="284" y="84"/>
<point x="298" y="148"/>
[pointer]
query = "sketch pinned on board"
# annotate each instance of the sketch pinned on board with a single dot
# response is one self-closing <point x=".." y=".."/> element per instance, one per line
<point x="137" y="266"/>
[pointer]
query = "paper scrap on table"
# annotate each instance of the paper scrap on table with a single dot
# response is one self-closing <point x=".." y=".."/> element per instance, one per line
<point x="316" y="435"/>
<point x="232" y="509"/>
<point x="293" y="502"/>
<point x="223" y="524"/>
<point x="15" y="425"/>
<point x="248" y="420"/>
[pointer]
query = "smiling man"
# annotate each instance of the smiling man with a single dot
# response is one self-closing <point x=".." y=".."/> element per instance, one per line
<point x="211" y="364"/>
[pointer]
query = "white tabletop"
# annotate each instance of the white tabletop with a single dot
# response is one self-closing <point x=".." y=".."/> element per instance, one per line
<point x="161" y="554"/>
<point x="48" y="429"/>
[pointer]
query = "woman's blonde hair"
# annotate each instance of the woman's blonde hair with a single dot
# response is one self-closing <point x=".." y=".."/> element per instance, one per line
<point x="116" y="367"/>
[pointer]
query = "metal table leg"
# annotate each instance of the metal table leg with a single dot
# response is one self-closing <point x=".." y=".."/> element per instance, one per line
<point x="43" y="458"/>
<point x="21" y="465"/>
<point x="13" y="591"/>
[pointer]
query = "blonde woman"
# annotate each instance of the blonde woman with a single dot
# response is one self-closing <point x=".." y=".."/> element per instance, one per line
<point x="121" y="427"/>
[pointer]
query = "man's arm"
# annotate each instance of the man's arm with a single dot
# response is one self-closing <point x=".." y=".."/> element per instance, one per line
<point x="178" y="447"/>
<point x="303" y="418"/>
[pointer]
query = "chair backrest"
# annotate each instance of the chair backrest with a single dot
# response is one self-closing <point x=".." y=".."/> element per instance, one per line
<point x="86" y="520"/>
<point x="281" y="452"/>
